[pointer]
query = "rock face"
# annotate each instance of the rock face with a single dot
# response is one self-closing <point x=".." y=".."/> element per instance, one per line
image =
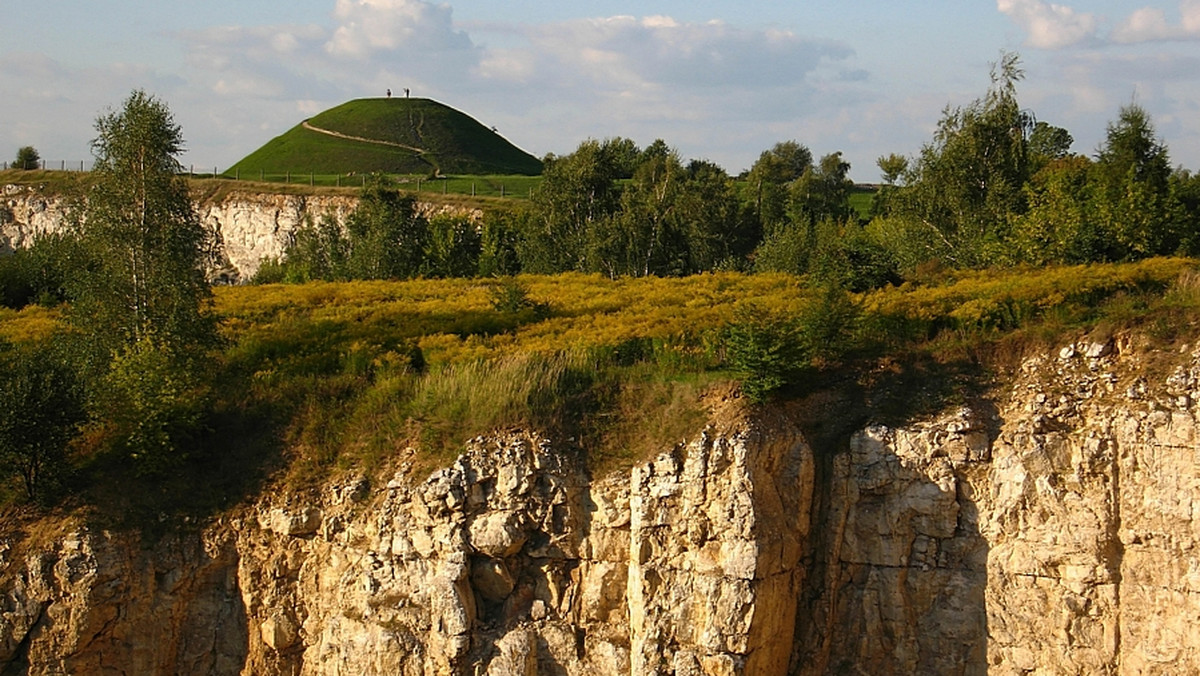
<point x="249" y="227"/>
<point x="1046" y="528"/>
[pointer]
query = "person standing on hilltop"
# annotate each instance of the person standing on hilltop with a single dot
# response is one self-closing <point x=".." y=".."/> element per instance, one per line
<point x="389" y="92"/>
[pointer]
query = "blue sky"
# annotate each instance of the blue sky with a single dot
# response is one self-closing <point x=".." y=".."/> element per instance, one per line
<point x="719" y="81"/>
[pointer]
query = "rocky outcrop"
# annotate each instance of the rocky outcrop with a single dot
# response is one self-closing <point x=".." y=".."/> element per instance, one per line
<point x="1046" y="527"/>
<point x="249" y="227"/>
<point x="26" y="214"/>
<point x="511" y="561"/>
<point x="1049" y="531"/>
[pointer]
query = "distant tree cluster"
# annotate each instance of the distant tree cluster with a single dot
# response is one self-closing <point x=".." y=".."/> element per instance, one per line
<point x="27" y="158"/>
<point x="997" y="187"/>
<point x="610" y="207"/>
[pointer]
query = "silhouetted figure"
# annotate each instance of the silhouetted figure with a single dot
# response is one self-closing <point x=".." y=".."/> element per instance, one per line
<point x="389" y="93"/>
<point x="406" y="92"/>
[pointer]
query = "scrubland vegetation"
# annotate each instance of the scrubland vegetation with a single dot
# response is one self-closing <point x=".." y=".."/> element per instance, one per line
<point x="602" y="311"/>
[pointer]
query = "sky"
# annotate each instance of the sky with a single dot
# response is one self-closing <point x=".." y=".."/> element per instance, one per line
<point x="719" y="81"/>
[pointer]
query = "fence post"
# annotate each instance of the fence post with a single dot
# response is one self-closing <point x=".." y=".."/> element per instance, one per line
<point x="502" y="190"/>
<point x="339" y="180"/>
<point x="472" y="188"/>
<point x="81" y="165"/>
<point x="43" y="165"/>
<point x="311" y="179"/>
<point x="260" y="175"/>
<point x="418" y="185"/>
<point x="63" y="167"/>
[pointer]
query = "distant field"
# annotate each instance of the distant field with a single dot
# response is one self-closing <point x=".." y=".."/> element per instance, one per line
<point x="861" y="198"/>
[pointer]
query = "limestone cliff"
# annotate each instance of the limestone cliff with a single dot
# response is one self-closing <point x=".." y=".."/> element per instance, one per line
<point x="248" y="226"/>
<point x="1046" y="527"/>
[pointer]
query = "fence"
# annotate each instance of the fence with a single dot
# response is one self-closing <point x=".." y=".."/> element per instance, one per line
<point x="511" y="186"/>
<point x="56" y="165"/>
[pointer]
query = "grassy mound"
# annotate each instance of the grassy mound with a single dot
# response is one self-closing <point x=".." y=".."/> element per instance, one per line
<point x="396" y="135"/>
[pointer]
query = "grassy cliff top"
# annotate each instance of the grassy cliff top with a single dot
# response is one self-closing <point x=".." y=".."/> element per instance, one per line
<point x="320" y="378"/>
<point x="390" y="135"/>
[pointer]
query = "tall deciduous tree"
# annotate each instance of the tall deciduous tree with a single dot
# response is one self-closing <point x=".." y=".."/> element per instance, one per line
<point x="766" y="184"/>
<point x="578" y="193"/>
<point x="140" y="299"/>
<point x="968" y="180"/>
<point x="822" y="192"/>
<point x="147" y="245"/>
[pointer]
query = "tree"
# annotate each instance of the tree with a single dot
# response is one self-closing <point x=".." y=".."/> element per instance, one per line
<point x="1056" y="228"/>
<point x="140" y="297"/>
<point x="453" y="248"/>
<point x="27" y="158"/>
<point x="1131" y="189"/>
<point x="42" y="409"/>
<point x="388" y="236"/>
<point x="578" y="192"/>
<point x="766" y="182"/>
<point x="316" y="251"/>
<point x="968" y="180"/>
<point x="822" y="192"/>
<point x="499" y="233"/>
<point x="1185" y="189"/>
<point x="708" y="210"/>
<point x="892" y="167"/>
<point x="145" y="240"/>
<point x="644" y="236"/>
<point x="385" y="237"/>
<point x="1048" y="143"/>
<point x="624" y="153"/>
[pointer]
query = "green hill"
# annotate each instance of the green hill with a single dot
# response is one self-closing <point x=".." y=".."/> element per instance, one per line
<point x="393" y="135"/>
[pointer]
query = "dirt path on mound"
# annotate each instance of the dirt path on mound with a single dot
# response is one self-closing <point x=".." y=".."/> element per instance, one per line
<point x="348" y="137"/>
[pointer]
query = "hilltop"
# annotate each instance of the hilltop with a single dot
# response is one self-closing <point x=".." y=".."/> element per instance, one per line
<point x="391" y="135"/>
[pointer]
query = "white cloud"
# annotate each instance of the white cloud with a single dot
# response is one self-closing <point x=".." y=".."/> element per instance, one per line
<point x="710" y="88"/>
<point x="624" y="52"/>
<point x="1150" y="24"/>
<point x="1050" y="26"/>
<point x="368" y="26"/>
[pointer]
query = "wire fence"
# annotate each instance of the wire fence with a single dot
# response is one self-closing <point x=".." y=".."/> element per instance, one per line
<point x="510" y="186"/>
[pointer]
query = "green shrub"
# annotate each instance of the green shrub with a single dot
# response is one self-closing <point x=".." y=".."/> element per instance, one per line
<point x="153" y="403"/>
<point x="766" y="350"/>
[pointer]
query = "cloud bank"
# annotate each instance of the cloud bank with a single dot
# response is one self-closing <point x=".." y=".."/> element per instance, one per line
<point x="1052" y="26"/>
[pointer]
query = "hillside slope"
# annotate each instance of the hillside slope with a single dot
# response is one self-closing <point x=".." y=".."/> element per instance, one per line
<point x="394" y="135"/>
